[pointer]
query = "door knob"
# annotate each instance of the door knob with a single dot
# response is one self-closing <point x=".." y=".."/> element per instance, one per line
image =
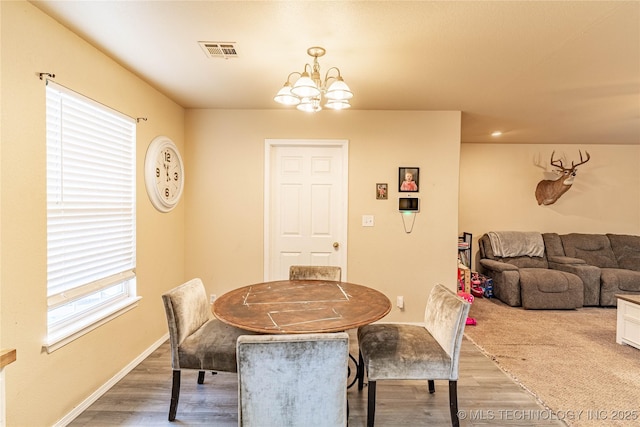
<point x="336" y="245"/>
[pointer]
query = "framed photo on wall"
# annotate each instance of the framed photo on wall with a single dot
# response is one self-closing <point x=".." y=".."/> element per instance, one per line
<point x="382" y="192"/>
<point x="408" y="180"/>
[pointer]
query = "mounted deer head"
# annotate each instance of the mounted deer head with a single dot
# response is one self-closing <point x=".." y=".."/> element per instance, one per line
<point x="548" y="191"/>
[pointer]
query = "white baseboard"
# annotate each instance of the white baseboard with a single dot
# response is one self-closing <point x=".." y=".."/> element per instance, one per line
<point x="106" y="386"/>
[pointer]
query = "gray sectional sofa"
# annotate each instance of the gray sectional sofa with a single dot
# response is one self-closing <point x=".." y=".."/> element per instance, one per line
<point x="553" y="271"/>
<point x="607" y="264"/>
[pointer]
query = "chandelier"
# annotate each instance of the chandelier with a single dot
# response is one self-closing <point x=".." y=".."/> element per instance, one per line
<point x="308" y="90"/>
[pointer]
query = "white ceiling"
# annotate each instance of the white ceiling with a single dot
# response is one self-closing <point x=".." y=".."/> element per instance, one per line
<point x="557" y="72"/>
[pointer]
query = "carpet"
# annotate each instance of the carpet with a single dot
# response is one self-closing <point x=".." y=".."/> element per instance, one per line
<point x="568" y="359"/>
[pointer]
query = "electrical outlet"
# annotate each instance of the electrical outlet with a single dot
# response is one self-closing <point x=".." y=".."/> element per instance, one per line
<point x="400" y="302"/>
<point x="212" y="298"/>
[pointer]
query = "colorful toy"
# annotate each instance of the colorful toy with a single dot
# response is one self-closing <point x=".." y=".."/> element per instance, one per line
<point x="468" y="297"/>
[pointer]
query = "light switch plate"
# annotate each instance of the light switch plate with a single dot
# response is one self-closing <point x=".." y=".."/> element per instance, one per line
<point x="367" y="220"/>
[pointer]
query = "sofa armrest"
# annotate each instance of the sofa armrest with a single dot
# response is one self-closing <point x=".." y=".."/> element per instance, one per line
<point x="589" y="274"/>
<point x="566" y="260"/>
<point x="491" y="264"/>
<point x="506" y="281"/>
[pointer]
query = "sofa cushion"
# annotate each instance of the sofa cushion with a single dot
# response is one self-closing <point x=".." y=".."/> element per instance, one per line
<point x="626" y="249"/>
<point x="550" y="289"/>
<point x="594" y="249"/>
<point x="547" y="281"/>
<point x="552" y="245"/>
<point x="618" y="279"/>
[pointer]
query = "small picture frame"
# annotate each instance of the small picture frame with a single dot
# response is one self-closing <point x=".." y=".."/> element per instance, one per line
<point x="382" y="191"/>
<point x="408" y="179"/>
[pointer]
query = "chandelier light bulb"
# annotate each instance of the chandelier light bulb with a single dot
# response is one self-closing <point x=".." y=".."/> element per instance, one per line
<point x="339" y="90"/>
<point x="308" y="90"/>
<point x="310" y="105"/>
<point x="337" y="104"/>
<point x="305" y="87"/>
<point x="285" y="97"/>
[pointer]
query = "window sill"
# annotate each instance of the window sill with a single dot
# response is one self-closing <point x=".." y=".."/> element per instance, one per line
<point x="88" y="324"/>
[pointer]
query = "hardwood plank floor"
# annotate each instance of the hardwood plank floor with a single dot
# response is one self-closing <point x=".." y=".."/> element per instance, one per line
<point x="486" y="396"/>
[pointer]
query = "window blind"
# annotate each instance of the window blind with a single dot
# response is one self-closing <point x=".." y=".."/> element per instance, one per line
<point x="91" y="233"/>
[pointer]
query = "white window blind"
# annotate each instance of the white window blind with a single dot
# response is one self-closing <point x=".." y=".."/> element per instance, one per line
<point x="91" y="199"/>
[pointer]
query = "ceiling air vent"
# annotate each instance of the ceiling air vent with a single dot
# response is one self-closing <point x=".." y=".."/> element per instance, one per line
<point x="224" y="50"/>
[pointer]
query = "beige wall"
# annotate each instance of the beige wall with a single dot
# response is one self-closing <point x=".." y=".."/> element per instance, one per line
<point x="223" y="244"/>
<point x="216" y="232"/>
<point x="224" y="196"/>
<point x="497" y="186"/>
<point x="42" y="388"/>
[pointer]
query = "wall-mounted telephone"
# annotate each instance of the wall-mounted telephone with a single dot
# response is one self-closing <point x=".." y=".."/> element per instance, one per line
<point x="409" y="204"/>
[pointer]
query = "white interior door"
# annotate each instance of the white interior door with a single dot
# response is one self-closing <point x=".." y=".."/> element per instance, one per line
<point x="305" y="205"/>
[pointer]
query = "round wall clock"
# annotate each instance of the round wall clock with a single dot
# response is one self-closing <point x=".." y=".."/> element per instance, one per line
<point x="163" y="174"/>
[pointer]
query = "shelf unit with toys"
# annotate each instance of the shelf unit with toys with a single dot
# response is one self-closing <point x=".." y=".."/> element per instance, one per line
<point x="465" y="248"/>
<point x="464" y="262"/>
<point x="465" y="274"/>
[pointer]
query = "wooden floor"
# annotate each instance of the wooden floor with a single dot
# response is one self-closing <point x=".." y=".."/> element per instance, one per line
<point x="486" y="396"/>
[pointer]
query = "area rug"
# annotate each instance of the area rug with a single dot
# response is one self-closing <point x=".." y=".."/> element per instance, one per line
<point x="568" y="359"/>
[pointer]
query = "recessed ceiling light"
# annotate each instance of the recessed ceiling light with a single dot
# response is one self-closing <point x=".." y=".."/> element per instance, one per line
<point x="496" y="133"/>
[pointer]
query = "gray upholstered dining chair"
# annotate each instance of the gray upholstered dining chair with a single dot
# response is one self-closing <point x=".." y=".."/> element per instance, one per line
<point x="414" y="352"/>
<point x="315" y="272"/>
<point x="198" y="340"/>
<point x="293" y="380"/>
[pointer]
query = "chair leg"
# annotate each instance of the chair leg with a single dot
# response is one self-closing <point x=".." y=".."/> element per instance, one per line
<point x="175" y="394"/>
<point x="453" y="403"/>
<point x="200" y="377"/>
<point x="432" y="387"/>
<point x="371" y="403"/>
<point x="360" y="371"/>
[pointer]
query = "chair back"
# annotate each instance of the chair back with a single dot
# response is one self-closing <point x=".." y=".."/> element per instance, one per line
<point x="445" y="318"/>
<point x="187" y="310"/>
<point x="315" y="272"/>
<point x="293" y="380"/>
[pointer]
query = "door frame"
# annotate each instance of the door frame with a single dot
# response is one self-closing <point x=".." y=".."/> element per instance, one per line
<point x="269" y="146"/>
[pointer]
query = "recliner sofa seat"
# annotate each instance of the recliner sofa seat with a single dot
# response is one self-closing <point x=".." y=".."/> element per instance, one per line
<point x="528" y="281"/>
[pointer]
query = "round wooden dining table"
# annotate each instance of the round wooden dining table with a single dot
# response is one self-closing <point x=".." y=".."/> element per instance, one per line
<point x="301" y="306"/>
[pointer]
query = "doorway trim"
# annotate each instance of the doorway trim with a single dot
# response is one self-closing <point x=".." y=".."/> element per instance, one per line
<point x="269" y="146"/>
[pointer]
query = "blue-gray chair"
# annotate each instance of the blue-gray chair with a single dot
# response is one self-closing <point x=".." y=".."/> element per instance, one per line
<point x="412" y="352"/>
<point x="198" y="340"/>
<point x="293" y="380"/>
<point x="315" y="272"/>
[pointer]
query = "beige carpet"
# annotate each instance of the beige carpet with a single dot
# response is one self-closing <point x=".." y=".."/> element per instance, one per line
<point x="568" y="359"/>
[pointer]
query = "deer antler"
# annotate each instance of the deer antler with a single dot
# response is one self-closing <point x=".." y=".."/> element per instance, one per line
<point x="538" y="163"/>
<point x="582" y="162"/>
<point x="553" y="162"/>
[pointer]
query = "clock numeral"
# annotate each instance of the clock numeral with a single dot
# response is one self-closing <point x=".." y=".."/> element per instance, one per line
<point x="157" y="172"/>
<point x="167" y="193"/>
<point x="175" y="176"/>
<point x="167" y="156"/>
